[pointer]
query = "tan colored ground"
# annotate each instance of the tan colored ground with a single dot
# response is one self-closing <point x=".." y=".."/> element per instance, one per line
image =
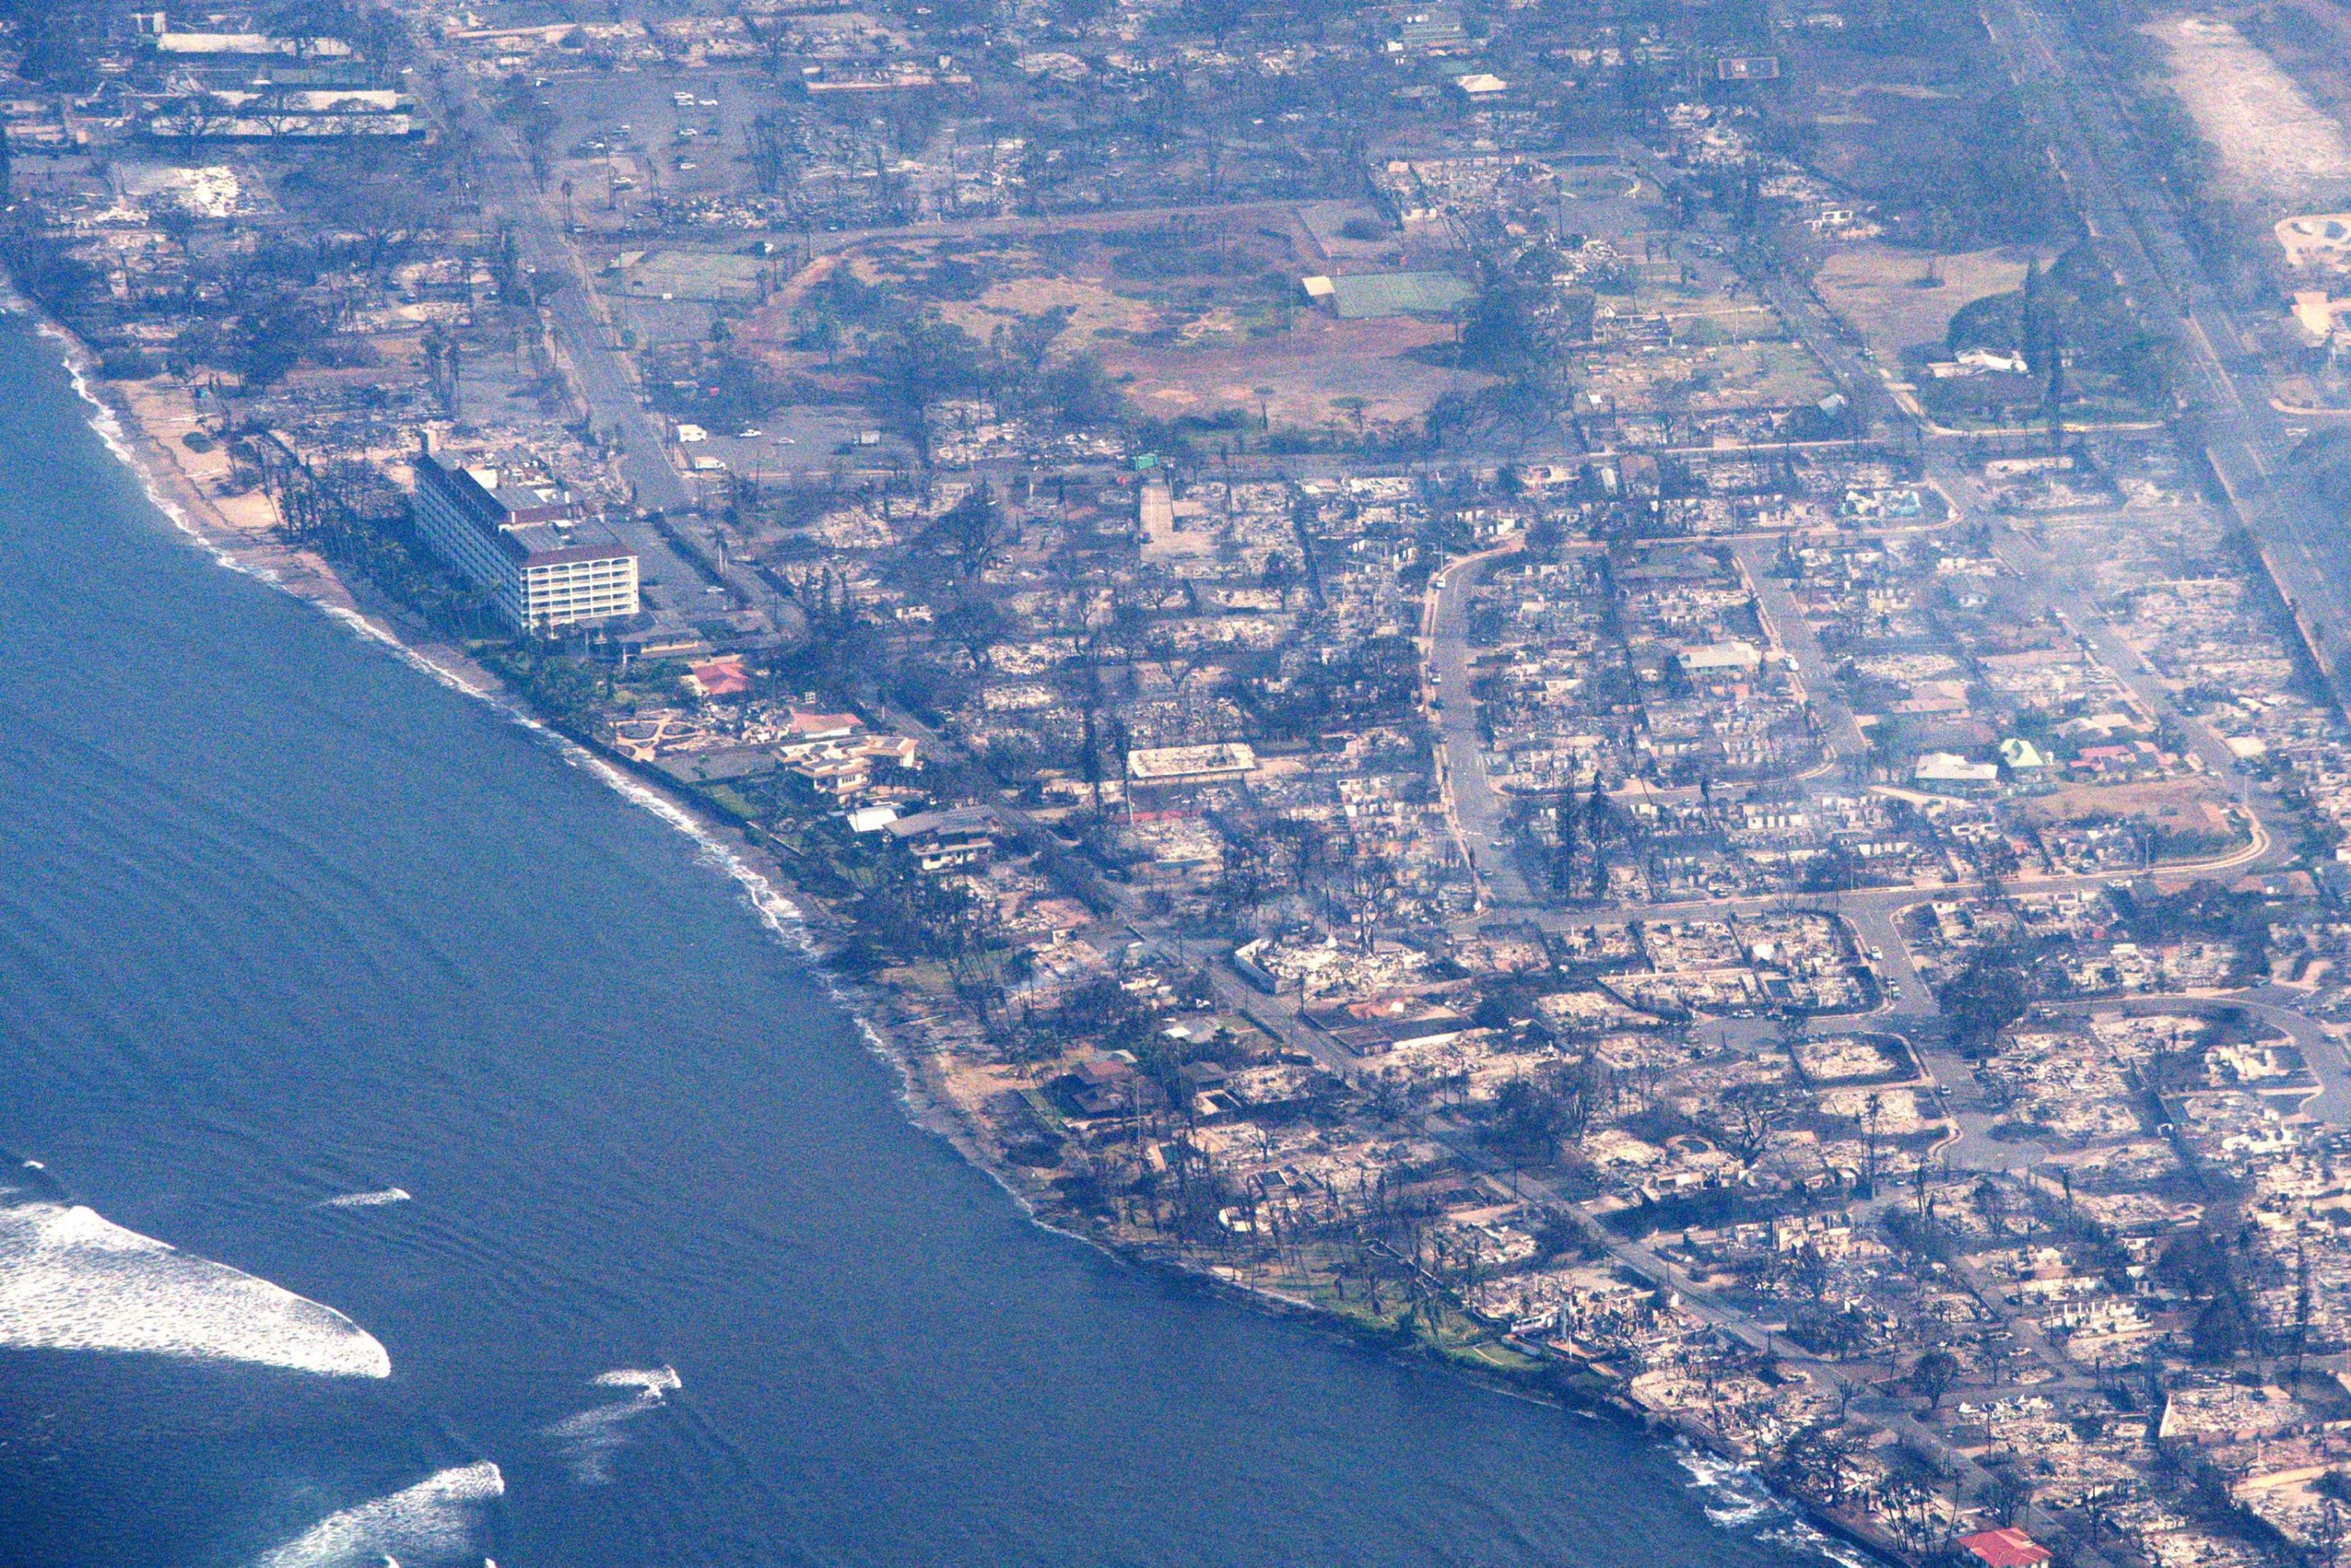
<point x="157" y="415"/>
<point x="2310" y="41"/>
<point x="1094" y="307"/>
<point x="1318" y="360"/>
<point x="1876" y="288"/>
<point x="2279" y="145"/>
<point x="1223" y="355"/>
<point x="2181" y="804"/>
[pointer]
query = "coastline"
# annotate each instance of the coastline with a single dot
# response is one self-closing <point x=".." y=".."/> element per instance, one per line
<point x="135" y="431"/>
<point x="253" y="549"/>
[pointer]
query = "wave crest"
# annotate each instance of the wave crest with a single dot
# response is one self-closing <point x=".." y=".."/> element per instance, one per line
<point x="71" y="1278"/>
<point x="438" y="1519"/>
<point x="367" y="1199"/>
<point x="590" y="1439"/>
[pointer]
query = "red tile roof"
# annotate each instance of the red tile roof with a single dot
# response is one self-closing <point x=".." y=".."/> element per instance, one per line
<point x="722" y="677"/>
<point x="2010" y="1548"/>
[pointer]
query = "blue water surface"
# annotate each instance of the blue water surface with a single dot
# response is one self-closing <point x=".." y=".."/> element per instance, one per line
<point x="283" y="921"/>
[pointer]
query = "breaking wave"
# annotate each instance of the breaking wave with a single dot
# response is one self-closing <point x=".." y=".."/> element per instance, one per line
<point x="650" y="1381"/>
<point x="1739" y="1500"/>
<point x="367" y="1199"/>
<point x="590" y="1439"/>
<point x="437" y="1521"/>
<point x="70" y="1278"/>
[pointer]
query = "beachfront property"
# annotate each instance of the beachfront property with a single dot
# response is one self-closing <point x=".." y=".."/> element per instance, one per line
<point x="521" y="543"/>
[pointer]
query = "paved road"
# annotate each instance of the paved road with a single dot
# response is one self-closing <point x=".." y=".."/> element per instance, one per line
<point x="2226" y="392"/>
<point x="1734" y="1322"/>
<point x="604" y="378"/>
<point x="2278" y="1006"/>
<point x="1783" y="619"/>
<point x="1472" y="804"/>
<point x="2273" y="827"/>
<point x="674" y="584"/>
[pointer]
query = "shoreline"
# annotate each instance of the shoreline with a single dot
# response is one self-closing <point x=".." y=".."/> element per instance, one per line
<point x="804" y="924"/>
<point x="801" y="921"/>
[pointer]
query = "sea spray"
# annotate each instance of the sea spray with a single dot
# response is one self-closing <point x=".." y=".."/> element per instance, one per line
<point x="590" y="1439"/>
<point x="437" y="1521"/>
<point x="1741" y="1500"/>
<point x="377" y="1199"/>
<point x="72" y="1279"/>
<point x="654" y="1382"/>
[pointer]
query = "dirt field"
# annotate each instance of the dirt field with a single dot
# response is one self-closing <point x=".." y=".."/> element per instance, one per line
<point x="1876" y="288"/>
<point x="2268" y="132"/>
<point x="1222" y="352"/>
<point x="2180" y="804"/>
<point x="1318" y="360"/>
<point x="2310" y="41"/>
<point x="1092" y="306"/>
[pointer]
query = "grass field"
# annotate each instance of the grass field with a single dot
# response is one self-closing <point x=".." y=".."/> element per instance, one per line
<point x="1878" y="291"/>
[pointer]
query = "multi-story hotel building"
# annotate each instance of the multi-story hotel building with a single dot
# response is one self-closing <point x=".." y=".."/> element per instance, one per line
<point x="523" y="544"/>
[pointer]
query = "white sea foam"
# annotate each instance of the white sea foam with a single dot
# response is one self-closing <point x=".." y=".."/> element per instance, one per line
<point x="1738" y="1498"/>
<point x="367" y="1199"/>
<point x="437" y="1521"/>
<point x="654" y="1381"/>
<point x="1709" y="1472"/>
<point x="1737" y="1495"/>
<point x="71" y="1278"/>
<point x="109" y="426"/>
<point x="591" y="1438"/>
<point x="776" y="911"/>
<point x="1806" y="1538"/>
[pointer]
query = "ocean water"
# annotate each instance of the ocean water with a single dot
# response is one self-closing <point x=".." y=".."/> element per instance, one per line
<point x="415" y="1150"/>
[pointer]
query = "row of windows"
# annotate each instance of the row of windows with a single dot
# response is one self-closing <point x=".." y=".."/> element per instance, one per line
<point x="544" y="595"/>
<point x="455" y="536"/>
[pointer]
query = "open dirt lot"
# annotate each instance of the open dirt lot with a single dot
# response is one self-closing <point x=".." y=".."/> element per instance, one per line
<point x="2182" y="804"/>
<point x="2267" y="131"/>
<point x="1094" y="307"/>
<point x="1317" y="361"/>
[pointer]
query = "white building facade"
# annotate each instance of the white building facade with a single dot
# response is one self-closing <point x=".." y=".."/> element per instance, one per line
<point x="522" y="544"/>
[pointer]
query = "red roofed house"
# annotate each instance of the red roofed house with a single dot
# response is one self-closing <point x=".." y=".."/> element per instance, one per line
<point x="2010" y="1548"/>
<point x="823" y="726"/>
<point x="724" y="677"/>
